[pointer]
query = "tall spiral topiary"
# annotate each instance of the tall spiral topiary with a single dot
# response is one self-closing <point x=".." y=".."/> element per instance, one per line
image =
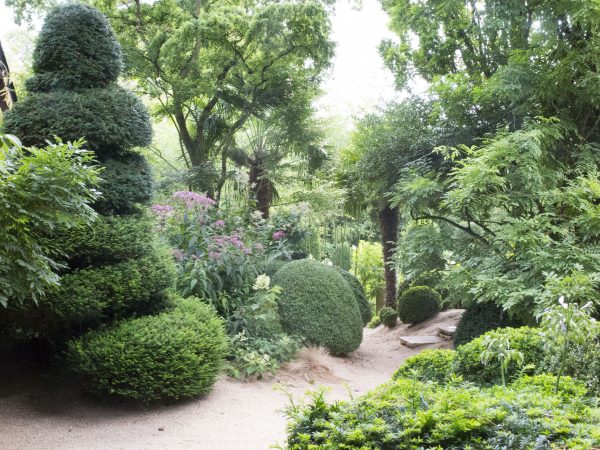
<point x="112" y="270"/>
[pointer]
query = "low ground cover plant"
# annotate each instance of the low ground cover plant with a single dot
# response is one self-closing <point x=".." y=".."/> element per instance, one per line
<point x="409" y="414"/>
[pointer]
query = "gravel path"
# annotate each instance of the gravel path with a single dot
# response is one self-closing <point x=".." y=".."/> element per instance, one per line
<point x="37" y="414"/>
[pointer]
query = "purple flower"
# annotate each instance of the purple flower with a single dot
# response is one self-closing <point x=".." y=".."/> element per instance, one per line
<point x="162" y="210"/>
<point x="258" y="246"/>
<point x="219" y="224"/>
<point x="278" y="235"/>
<point x="192" y="199"/>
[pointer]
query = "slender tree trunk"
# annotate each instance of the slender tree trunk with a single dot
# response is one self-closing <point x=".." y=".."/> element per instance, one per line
<point x="261" y="188"/>
<point x="7" y="89"/>
<point x="388" y="226"/>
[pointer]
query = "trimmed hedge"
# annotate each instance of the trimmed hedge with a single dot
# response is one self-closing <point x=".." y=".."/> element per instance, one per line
<point x="388" y="316"/>
<point x="429" y="365"/>
<point x="110" y="119"/>
<point x="408" y="414"/>
<point x="417" y="304"/>
<point x="127" y="182"/>
<point x="177" y="354"/>
<point x="480" y="318"/>
<point x="528" y="341"/>
<point x="89" y="297"/>
<point x="359" y="295"/>
<point x="75" y="49"/>
<point x="112" y="239"/>
<point x="316" y="303"/>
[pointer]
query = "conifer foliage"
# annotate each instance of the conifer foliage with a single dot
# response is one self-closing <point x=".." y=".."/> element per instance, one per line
<point x="73" y="94"/>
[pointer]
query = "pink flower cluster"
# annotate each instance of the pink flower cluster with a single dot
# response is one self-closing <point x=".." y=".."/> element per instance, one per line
<point x="220" y="244"/>
<point x="162" y="210"/>
<point x="278" y="235"/>
<point x="192" y="199"/>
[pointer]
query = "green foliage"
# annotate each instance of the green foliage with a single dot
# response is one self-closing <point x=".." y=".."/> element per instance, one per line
<point x="567" y="324"/>
<point x="429" y="365"/>
<point x="341" y="256"/>
<point x="375" y="321"/>
<point x="110" y="119"/>
<point x="528" y="341"/>
<point x="367" y="264"/>
<point x="177" y="354"/>
<point x="417" y="304"/>
<point x="87" y="297"/>
<point x="499" y="348"/>
<point x="244" y="59"/>
<point x="582" y="361"/>
<point x="478" y="319"/>
<point x="253" y="357"/>
<point x="76" y="49"/>
<point x="388" y="316"/>
<point x="112" y="239"/>
<point x="40" y="190"/>
<point x="317" y="304"/>
<point x="127" y="182"/>
<point x="359" y="295"/>
<point x="408" y="414"/>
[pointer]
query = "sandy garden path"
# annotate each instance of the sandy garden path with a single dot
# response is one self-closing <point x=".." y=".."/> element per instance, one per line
<point x="37" y="414"/>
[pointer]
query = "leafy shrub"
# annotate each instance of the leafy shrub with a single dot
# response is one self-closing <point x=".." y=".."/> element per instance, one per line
<point x="582" y="362"/>
<point x="480" y="318"/>
<point x="429" y="365"/>
<point x="417" y="304"/>
<point x="388" y="316"/>
<point x="528" y="341"/>
<point x="359" y="295"/>
<point x="316" y="305"/>
<point x="174" y="355"/>
<point x="408" y="414"/>
<point x="40" y="190"/>
<point x="252" y="357"/>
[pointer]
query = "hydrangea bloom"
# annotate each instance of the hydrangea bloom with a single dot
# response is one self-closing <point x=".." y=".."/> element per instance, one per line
<point x="262" y="283"/>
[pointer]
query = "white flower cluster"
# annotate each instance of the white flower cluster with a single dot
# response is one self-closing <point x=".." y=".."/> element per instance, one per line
<point x="262" y="283"/>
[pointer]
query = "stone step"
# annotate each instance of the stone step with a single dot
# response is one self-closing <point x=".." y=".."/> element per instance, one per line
<point x="446" y="330"/>
<point x="416" y="341"/>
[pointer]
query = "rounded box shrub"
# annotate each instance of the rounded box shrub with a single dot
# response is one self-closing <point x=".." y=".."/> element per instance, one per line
<point x="388" y="316"/>
<point x="316" y="303"/>
<point x="429" y="365"/>
<point x="417" y="304"/>
<point x="480" y="318"/>
<point x="359" y="295"/>
<point x="528" y="341"/>
<point x="176" y="354"/>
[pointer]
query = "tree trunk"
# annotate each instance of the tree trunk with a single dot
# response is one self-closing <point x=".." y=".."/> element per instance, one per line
<point x="7" y="89"/>
<point x="261" y="188"/>
<point x="388" y="226"/>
